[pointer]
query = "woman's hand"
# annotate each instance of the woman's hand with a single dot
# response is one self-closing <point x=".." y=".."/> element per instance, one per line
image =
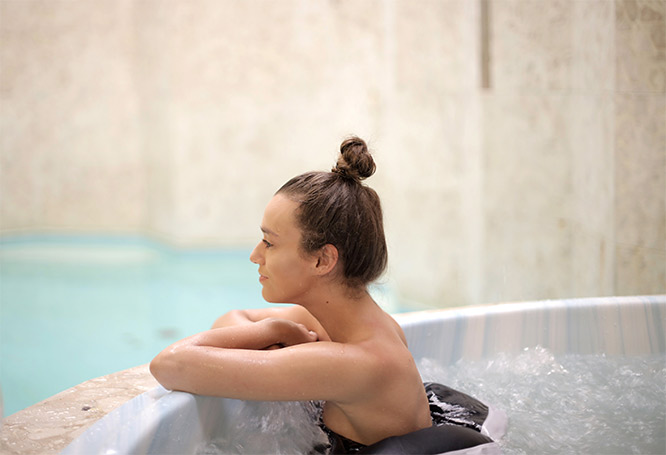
<point x="287" y="332"/>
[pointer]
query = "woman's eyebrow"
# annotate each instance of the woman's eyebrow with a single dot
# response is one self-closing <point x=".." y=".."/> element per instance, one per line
<point x="268" y="231"/>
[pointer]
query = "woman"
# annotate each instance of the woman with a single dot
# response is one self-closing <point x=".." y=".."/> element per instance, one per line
<point x="323" y="243"/>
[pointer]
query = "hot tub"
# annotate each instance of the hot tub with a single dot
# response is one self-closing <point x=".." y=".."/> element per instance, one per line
<point x="536" y="336"/>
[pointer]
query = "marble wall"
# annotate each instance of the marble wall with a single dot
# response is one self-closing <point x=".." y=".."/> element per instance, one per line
<point x="640" y="146"/>
<point x="537" y="173"/>
<point x="549" y="126"/>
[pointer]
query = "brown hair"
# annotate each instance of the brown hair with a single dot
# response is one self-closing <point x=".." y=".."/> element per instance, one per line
<point x="337" y="208"/>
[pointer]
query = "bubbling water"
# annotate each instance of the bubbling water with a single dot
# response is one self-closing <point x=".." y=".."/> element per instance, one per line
<point x="265" y="427"/>
<point x="568" y="403"/>
<point x="555" y="404"/>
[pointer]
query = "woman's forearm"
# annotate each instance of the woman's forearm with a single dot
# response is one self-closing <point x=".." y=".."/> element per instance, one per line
<point x="170" y="365"/>
<point x="244" y="336"/>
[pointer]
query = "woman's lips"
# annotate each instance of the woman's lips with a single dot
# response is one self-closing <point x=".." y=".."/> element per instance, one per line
<point x="262" y="278"/>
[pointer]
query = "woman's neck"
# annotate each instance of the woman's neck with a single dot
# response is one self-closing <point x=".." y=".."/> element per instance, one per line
<point x="341" y="312"/>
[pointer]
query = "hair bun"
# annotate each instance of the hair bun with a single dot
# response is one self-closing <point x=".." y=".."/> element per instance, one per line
<point x="355" y="160"/>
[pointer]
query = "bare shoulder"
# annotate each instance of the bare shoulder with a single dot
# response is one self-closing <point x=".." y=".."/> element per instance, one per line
<point x="294" y="312"/>
<point x="397" y="328"/>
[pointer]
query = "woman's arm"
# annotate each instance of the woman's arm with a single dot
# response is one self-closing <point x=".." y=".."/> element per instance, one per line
<point x="231" y="362"/>
<point x="265" y="334"/>
<point x="294" y="313"/>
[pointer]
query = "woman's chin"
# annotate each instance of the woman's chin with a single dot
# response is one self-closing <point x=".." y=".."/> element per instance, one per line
<point x="268" y="297"/>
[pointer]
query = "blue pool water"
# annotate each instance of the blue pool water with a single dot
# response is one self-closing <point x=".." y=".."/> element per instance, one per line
<point x="75" y="308"/>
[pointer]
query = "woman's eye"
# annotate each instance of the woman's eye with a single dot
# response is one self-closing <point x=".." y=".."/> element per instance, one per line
<point x="267" y="244"/>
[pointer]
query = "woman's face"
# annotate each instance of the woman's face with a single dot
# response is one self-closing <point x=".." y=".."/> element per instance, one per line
<point x="286" y="273"/>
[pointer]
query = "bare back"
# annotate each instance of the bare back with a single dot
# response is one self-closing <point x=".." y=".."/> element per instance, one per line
<point x="397" y="402"/>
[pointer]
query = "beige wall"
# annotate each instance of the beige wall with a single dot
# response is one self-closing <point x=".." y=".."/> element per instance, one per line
<point x="180" y="119"/>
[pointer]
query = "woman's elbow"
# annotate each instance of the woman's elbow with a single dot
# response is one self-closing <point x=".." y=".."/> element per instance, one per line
<point x="156" y="369"/>
<point x="163" y="370"/>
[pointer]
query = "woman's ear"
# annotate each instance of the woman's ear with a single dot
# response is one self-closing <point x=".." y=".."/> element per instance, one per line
<point x="327" y="258"/>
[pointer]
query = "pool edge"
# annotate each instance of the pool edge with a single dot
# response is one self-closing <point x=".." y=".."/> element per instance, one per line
<point x="52" y="424"/>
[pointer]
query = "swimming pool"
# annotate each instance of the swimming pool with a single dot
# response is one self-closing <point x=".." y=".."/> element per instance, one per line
<point x="75" y="308"/>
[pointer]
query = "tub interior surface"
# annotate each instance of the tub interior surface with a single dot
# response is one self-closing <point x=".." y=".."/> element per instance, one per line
<point x="611" y="325"/>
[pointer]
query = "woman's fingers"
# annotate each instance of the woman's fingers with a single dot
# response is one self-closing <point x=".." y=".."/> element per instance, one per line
<point x="290" y="333"/>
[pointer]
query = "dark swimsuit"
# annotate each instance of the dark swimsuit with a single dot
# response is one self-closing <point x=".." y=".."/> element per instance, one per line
<point x="457" y="420"/>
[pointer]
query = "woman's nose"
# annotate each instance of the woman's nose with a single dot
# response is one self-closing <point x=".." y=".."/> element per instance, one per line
<point x="256" y="256"/>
